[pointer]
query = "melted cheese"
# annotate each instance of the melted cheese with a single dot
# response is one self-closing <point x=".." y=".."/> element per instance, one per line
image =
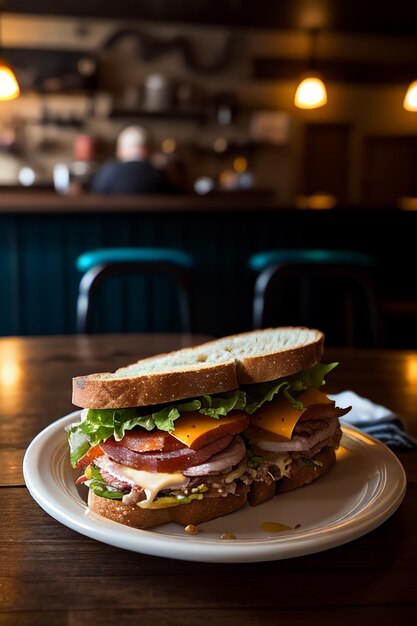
<point x="153" y="483"/>
<point x="280" y="418"/>
<point x="189" y="427"/>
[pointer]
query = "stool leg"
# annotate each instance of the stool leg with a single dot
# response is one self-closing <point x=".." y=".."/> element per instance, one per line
<point x="262" y="285"/>
<point x="88" y="284"/>
<point x="258" y="303"/>
<point x="95" y="275"/>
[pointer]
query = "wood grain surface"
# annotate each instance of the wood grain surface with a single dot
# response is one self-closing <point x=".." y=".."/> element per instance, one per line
<point x="51" y="575"/>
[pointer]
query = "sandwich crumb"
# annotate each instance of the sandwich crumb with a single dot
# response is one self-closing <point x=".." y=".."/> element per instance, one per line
<point x="228" y="536"/>
<point x="191" y="529"/>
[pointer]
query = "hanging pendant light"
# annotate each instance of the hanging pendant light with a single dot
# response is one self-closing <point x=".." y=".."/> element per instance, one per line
<point x="311" y="92"/>
<point x="410" y="100"/>
<point x="9" y="87"/>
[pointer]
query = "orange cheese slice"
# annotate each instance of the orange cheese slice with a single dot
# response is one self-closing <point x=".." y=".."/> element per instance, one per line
<point x="280" y="418"/>
<point x="196" y="430"/>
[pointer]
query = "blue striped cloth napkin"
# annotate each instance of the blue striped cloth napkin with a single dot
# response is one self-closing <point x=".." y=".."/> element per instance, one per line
<point x="376" y="420"/>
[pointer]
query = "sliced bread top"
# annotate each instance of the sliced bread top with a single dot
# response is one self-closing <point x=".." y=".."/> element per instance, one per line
<point x="213" y="367"/>
<point x="273" y="353"/>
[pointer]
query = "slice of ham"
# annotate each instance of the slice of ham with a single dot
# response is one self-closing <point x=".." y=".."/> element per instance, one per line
<point x="171" y="462"/>
<point x="322" y="411"/>
<point x="229" y="457"/>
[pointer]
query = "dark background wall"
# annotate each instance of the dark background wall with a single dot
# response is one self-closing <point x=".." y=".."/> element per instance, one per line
<point x="39" y="281"/>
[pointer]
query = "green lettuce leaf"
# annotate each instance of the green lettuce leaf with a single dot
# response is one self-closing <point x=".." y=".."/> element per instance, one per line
<point x="79" y="445"/>
<point x="217" y="406"/>
<point x="101" y="488"/>
<point x="312" y="378"/>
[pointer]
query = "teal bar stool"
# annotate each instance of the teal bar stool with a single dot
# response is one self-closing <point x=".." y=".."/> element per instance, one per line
<point x="97" y="265"/>
<point x="353" y="272"/>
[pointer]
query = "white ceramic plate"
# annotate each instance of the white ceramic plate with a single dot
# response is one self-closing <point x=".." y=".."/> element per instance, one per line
<point x="359" y="492"/>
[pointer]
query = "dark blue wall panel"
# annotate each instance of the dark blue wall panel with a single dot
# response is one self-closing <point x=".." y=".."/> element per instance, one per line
<point x="39" y="281"/>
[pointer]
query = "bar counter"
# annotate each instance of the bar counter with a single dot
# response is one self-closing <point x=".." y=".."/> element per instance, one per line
<point x="50" y="202"/>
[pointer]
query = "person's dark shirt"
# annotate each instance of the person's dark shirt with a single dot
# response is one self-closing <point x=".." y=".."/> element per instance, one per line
<point x="130" y="177"/>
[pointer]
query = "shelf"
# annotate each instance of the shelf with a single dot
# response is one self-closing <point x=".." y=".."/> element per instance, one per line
<point x="172" y="114"/>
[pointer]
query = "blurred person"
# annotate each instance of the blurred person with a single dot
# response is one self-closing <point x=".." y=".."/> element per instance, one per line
<point x="132" y="172"/>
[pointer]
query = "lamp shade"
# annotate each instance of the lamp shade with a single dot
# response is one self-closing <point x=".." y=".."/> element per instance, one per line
<point x="9" y="87"/>
<point x="410" y="100"/>
<point x="311" y="93"/>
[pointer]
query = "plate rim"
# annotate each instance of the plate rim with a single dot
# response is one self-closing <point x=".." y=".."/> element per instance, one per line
<point x="205" y="549"/>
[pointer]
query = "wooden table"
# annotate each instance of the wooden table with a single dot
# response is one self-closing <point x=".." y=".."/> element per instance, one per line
<point x="51" y="575"/>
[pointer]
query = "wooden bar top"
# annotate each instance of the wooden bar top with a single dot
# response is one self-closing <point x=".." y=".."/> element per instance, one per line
<point x="52" y="575"/>
<point x="29" y="201"/>
<point x="46" y="201"/>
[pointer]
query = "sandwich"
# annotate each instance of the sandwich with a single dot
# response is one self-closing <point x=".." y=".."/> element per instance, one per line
<point x="195" y="434"/>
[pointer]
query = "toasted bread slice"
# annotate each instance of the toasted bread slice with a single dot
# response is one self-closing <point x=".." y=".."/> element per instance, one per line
<point x="273" y="353"/>
<point x="214" y="367"/>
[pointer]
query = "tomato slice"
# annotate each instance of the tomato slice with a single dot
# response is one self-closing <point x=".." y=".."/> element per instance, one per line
<point x="89" y="457"/>
<point x="170" y="462"/>
<point x="140" y="440"/>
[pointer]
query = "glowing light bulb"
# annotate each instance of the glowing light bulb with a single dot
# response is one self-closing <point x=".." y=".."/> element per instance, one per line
<point x="311" y="93"/>
<point x="9" y="87"/>
<point x="410" y="100"/>
<point x="411" y="370"/>
<point x="240" y="164"/>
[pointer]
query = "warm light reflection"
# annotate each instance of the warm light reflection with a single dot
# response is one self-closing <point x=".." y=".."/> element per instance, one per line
<point x="410" y="100"/>
<point x="10" y="369"/>
<point x="10" y="373"/>
<point x="11" y="376"/>
<point x="9" y="87"/>
<point x="227" y="178"/>
<point x="220" y="145"/>
<point x="311" y="93"/>
<point x="411" y="370"/>
<point x="342" y="452"/>
<point x="168" y="146"/>
<point x="318" y="201"/>
<point x="240" y="165"/>
<point x="407" y="204"/>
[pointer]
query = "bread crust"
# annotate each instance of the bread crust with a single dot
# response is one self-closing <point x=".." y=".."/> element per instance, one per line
<point x="272" y="366"/>
<point x="196" y="512"/>
<point x="94" y="392"/>
<point x="234" y="367"/>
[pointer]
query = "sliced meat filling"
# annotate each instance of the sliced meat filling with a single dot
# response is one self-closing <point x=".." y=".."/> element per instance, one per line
<point x="309" y="438"/>
<point x="218" y="475"/>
